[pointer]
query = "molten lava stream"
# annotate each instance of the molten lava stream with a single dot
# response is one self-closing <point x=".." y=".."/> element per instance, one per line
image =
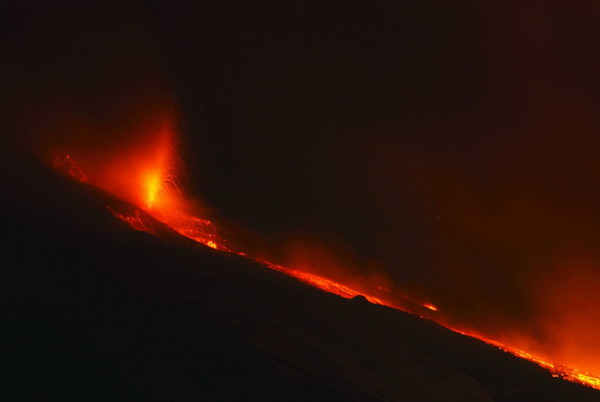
<point x="151" y="186"/>
<point x="558" y="370"/>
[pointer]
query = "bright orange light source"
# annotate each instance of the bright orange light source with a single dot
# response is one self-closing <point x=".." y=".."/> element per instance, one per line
<point x="153" y="185"/>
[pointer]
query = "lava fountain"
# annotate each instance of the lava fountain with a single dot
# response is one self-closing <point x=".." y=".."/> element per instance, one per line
<point x="145" y="173"/>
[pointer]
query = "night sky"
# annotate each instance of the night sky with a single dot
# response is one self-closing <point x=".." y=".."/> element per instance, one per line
<point x="455" y="145"/>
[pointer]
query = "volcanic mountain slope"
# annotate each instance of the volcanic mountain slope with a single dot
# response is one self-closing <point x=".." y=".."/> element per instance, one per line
<point x="92" y="310"/>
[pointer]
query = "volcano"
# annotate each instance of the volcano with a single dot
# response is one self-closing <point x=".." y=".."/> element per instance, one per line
<point x="93" y="309"/>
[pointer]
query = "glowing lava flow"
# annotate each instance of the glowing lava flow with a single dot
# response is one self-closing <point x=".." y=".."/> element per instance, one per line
<point x="160" y="199"/>
<point x="558" y="370"/>
<point x="319" y="282"/>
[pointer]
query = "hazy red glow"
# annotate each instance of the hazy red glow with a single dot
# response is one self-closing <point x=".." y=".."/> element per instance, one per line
<point x="146" y="174"/>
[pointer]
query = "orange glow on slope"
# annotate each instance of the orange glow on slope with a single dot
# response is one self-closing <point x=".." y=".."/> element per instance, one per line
<point x="66" y="165"/>
<point x="320" y="282"/>
<point x="558" y="370"/>
<point x="147" y="177"/>
<point x="200" y="230"/>
<point x="134" y="219"/>
<point x="331" y="286"/>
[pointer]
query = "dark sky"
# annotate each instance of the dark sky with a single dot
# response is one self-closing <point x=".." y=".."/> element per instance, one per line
<point x="456" y="143"/>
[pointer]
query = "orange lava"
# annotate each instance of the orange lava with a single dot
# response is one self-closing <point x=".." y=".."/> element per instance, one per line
<point x="200" y="230"/>
<point x="66" y="165"/>
<point x="133" y="218"/>
<point x="558" y="370"/>
<point x="324" y="284"/>
<point x="331" y="286"/>
<point x="147" y="178"/>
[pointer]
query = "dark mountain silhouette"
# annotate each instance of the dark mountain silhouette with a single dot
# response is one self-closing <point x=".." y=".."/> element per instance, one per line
<point x="92" y="310"/>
